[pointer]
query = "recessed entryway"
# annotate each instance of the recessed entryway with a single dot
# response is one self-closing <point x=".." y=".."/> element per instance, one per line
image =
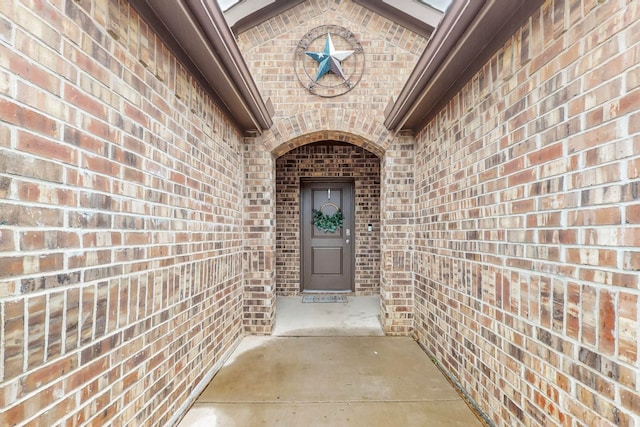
<point x="328" y="174"/>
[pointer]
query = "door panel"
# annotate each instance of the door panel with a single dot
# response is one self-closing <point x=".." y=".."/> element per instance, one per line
<point x="327" y="261"/>
<point x="327" y="257"/>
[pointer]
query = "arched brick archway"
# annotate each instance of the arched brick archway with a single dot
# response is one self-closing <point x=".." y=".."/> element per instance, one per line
<point x="318" y="136"/>
<point x="396" y="200"/>
<point x="354" y="127"/>
<point x="329" y="160"/>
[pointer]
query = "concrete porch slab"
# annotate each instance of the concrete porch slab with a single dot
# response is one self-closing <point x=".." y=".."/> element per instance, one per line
<point x="329" y="381"/>
<point x="311" y="414"/>
<point x="359" y="317"/>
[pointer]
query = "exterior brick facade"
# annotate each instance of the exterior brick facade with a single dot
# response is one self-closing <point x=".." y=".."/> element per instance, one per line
<point x="397" y="222"/>
<point x="121" y="187"/>
<point x="332" y="161"/>
<point x="356" y="117"/>
<point x="139" y="228"/>
<point x="269" y="52"/>
<point x="259" y="239"/>
<point x="526" y="239"/>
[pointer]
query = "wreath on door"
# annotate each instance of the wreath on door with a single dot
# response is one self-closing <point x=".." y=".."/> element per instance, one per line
<point x="328" y="223"/>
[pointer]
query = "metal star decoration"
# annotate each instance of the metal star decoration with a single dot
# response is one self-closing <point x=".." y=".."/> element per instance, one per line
<point x="330" y="59"/>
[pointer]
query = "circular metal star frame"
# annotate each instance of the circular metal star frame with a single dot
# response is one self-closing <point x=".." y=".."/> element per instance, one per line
<point x="329" y="61"/>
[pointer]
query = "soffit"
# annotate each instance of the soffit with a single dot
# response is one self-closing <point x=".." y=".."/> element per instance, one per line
<point x="419" y="16"/>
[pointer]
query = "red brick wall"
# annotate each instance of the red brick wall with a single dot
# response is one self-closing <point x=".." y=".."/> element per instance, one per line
<point x="334" y="161"/>
<point x="300" y="116"/>
<point x="259" y="297"/>
<point x="356" y="117"/>
<point x="527" y="228"/>
<point x="269" y="47"/>
<point x="398" y="230"/>
<point x="121" y="222"/>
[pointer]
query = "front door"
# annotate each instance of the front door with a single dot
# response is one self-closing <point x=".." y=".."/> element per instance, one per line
<point x="327" y="256"/>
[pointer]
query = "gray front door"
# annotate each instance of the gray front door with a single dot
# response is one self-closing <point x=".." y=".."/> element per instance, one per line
<point x="327" y="257"/>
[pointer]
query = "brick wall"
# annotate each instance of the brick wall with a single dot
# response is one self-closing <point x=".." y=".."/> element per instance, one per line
<point x="334" y="160"/>
<point x="397" y="223"/>
<point x="355" y="117"/>
<point x="121" y="219"/>
<point x="269" y="52"/>
<point x="527" y="228"/>
<point x="259" y="239"/>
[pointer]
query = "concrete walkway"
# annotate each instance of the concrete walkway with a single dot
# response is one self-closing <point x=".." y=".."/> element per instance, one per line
<point x="360" y="317"/>
<point x="333" y="381"/>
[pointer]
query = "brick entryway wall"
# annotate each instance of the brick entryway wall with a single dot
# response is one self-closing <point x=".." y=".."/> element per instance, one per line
<point x="394" y="156"/>
<point x="334" y="160"/>
<point x="258" y="263"/>
<point x="397" y="234"/>
<point x="357" y="117"/>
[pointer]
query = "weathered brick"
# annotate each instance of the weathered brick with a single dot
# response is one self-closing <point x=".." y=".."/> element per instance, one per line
<point x="632" y="214"/>
<point x="13" y="327"/>
<point x="5" y="29"/>
<point x="607" y="323"/>
<point x="36" y="323"/>
<point x="631" y="261"/>
<point x="55" y="325"/>
<point x="7" y="243"/>
<point x="86" y="314"/>
<point x="627" y="327"/>
<point x="45" y="148"/>
<point x="29" y="119"/>
<point x="592" y="138"/>
<point x="22" y="164"/>
<point x="48" y="61"/>
<point x="72" y="325"/>
<point x="11" y="266"/>
<point x="37" y="75"/>
<point x="631" y="401"/>
<point x="601" y="216"/>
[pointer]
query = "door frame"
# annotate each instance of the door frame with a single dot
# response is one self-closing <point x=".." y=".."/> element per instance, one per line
<point x="352" y="246"/>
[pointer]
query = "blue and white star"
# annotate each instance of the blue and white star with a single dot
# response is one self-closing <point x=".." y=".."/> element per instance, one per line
<point x="330" y="59"/>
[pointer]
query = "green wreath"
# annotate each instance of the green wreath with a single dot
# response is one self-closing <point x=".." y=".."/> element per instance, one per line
<point x="327" y="223"/>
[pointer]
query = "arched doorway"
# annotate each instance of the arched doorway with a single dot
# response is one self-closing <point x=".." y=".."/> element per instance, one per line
<point x="262" y="265"/>
<point x="354" y="173"/>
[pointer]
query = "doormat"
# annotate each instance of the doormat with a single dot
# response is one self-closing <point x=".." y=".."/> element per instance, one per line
<point x="325" y="298"/>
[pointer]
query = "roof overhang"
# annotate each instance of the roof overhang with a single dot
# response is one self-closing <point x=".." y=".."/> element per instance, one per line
<point x="417" y="16"/>
<point x="197" y="33"/>
<point x="469" y="34"/>
<point x="413" y="15"/>
<point x="249" y="13"/>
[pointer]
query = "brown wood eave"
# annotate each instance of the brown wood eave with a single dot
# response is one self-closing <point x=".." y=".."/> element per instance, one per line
<point x="197" y="33"/>
<point x="470" y="33"/>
